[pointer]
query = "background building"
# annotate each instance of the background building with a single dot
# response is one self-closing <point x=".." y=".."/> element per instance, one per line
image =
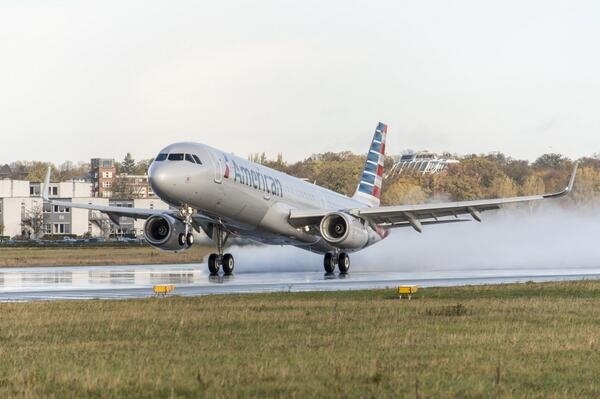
<point x="102" y="175"/>
<point x="422" y="162"/>
<point x="23" y="214"/>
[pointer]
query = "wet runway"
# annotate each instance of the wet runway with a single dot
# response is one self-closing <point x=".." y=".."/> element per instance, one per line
<point x="120" y="282"/>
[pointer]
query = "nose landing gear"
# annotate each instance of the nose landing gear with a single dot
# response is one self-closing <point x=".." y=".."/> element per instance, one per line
<point x="186" y="238"/>
<point x="342" y="260"/>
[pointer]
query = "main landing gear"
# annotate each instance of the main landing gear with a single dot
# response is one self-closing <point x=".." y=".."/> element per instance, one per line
<point x="342" y="260"/>
<point x="215" y="261"/>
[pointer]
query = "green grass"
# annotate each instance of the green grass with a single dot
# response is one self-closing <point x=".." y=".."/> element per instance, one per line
<point x="523" y="340"/>
<point x="97" y="255"/>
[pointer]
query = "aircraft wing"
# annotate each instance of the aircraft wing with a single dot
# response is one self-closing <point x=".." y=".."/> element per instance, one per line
<point x="113" y="212"/>
<point x="418" y="215"/>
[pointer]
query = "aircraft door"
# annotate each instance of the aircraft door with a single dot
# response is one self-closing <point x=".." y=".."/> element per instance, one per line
<point x="267" y="194"/>
<point x="218" y="165"/>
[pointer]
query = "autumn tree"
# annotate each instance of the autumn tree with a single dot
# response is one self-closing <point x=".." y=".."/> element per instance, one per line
<point x="550" y="161"/>
<point x="141" y="168"/>
<point x="587" y="186"/>
<point x="69" y="171"/>
<point x="517" y="170"/>
<point x="502" y="187"/>
<point x="37" y="171"/>
<point x="277" y="164"/>
<point x="533" y="185"/>
<point x="19" y="170"/>
<point x="403" y="191"/>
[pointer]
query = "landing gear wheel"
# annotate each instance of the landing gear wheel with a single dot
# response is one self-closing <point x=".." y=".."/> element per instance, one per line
<point x="344" y="263"/>
<point x="329" y="263"/>
<point x="189" y="239"/>
<point x="181" y="239"/>
<point x="228" y="264"/>
<point x="213" y="264"/>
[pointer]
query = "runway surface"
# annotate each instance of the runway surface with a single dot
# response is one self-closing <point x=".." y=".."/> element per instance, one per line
<point x="120" y="282"/>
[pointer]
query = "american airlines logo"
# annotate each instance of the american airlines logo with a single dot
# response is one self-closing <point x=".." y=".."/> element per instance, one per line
<point x="257" y="180"/>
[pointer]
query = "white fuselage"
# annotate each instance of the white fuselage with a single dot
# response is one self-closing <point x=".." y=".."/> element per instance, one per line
<point x="249" y="199"/>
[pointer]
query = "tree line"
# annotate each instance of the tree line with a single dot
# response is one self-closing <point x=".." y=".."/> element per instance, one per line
<point x="35" y="171"/>
<point x="476" y="176"/>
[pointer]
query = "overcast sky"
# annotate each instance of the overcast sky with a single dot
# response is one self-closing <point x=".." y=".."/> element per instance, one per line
<point x="100" y="78"/>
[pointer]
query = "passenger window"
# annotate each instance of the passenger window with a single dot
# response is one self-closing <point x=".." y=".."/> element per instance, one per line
<point x="189" y="158"/>
<point x="198" y="161"/>
<point x="175" y="157"/>
<point x="161" y="157"/>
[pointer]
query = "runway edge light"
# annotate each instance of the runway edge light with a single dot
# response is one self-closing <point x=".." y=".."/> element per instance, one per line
<point x="163" y="289"/>
<point x="407" y="290"/>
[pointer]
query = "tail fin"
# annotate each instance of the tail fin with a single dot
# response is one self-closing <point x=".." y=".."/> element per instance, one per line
<point x="369" y="188"/>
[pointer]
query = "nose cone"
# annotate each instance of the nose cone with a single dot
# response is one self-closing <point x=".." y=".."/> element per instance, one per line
<point x="163" y="180"/>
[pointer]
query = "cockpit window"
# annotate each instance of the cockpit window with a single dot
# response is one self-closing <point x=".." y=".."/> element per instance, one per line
<point x="198" y="161"/>
<point x="161" y="157"/>
<point x="176" y="157"/>
<point x="189" y="158"/>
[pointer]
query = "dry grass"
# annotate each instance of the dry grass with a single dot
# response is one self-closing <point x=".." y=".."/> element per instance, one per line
<point x="535" y="340"/>
<point x="96" y="255"/>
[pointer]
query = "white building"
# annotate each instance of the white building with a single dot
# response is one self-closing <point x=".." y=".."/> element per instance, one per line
<point x="14" y="201"/>
<point x="422" y="162"/>
<point x="22" y="212"/>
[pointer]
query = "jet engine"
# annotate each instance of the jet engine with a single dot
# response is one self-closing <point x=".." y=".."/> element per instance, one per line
<point x="166" y="233"/>
<point x="344" y="231"/>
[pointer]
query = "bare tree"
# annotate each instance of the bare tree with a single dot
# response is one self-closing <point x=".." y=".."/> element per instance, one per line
<point x="32" y="220"/>
<point x="124" y="189"/>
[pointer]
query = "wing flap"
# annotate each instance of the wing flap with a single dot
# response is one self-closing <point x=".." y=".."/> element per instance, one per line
<point x="306" y="217"/>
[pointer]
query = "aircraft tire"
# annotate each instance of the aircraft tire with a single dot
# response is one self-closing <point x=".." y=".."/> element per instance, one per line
<point x="213" y="264"/>
<point x="189" y="239"/>
<point x="329" y="263"/>
<point x="181" y="239"/>
<point x="228" y="264"/>
<point x="344" y="263"/>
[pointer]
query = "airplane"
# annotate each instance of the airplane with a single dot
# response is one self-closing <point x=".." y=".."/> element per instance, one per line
<point x="228" y="196"/>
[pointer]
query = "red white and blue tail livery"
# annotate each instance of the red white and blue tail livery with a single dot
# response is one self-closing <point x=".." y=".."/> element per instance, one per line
<point x="369" y="188"/>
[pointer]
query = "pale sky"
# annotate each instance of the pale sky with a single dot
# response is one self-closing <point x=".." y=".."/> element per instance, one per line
<point x="80" y="79"/>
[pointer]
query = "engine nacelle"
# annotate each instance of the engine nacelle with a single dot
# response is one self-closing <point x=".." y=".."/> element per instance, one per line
<point x="344" y="231"/>
<point x="166" y="233"/>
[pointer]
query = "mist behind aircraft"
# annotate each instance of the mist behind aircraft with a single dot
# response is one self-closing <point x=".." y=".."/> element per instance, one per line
<point x="548" y="236"/>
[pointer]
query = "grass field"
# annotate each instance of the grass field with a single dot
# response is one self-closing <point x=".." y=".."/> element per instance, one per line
<point x="97" y="255"/>
<point x="528" y="340"/>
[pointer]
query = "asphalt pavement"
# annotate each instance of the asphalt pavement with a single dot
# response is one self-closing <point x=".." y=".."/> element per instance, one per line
<point x="121" y="282"/>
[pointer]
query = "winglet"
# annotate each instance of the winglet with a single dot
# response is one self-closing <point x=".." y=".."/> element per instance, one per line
<point x="569" y="187"/>
<point x="46" y="185"/>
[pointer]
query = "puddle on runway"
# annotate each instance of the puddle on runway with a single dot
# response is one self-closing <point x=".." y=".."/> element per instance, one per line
<point x="95" y="277"/>
<point x="46" y="283"/>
